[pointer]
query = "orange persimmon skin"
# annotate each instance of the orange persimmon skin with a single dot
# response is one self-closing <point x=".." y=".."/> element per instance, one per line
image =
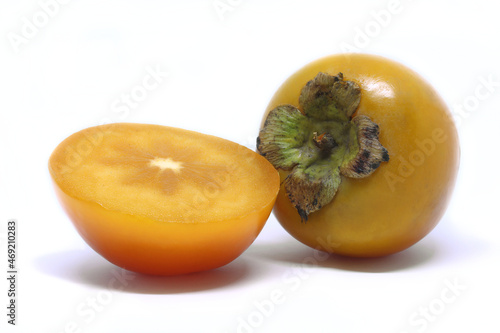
<point x="404" y="199"/>
<point x="157" y="240"/>
<point x="144" y="245"/>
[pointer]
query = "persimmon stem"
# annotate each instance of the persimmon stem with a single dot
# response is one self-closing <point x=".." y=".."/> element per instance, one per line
<point x="325" y="142"/>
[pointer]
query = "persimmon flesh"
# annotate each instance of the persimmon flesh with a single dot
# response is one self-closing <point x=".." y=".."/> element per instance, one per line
<point x="162" y="200"/>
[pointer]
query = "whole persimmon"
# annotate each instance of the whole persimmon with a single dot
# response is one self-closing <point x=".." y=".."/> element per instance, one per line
<point x="162" y="200"/>
<point x="367" y="154"/>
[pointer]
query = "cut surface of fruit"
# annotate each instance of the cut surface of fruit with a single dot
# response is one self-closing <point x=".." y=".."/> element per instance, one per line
<point x="172" y="195"/>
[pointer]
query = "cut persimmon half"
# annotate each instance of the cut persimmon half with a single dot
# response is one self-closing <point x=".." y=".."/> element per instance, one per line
<point x="162" y="200"/>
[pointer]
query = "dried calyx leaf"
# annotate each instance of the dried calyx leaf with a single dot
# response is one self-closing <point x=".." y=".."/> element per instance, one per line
<point x="321" y="143"/>
<point x="328" y="97"/>
<point x="371" y="152"/>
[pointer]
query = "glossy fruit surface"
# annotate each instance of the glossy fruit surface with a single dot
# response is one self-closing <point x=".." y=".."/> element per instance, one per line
<point x="162" y="200"/>
<point x="406" y="196"/>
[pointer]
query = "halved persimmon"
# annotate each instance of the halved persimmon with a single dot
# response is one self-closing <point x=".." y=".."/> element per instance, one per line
<point x="162" y="200"/>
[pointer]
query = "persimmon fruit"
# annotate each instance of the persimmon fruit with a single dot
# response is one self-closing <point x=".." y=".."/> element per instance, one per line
<point x="367" y="153"/>
<point x="162" y="200"/>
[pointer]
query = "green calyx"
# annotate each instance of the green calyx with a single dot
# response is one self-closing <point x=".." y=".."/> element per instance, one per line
<point x="321" y="143"/>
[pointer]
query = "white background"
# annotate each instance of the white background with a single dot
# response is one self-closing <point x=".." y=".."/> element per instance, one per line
<point x="224" y="60"/>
